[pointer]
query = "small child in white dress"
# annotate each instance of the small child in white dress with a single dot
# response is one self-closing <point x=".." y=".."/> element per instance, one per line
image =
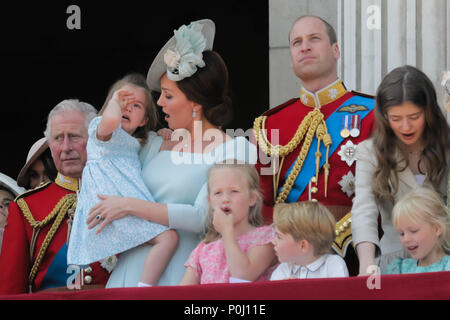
<point x="304" y="234"/>
<point x="113" y="168"/>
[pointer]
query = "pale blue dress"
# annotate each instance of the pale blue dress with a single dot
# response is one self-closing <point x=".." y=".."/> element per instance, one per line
<point x="178" y="180"/>
<point x="408" y="265"/>
<point x="112" y="168"/>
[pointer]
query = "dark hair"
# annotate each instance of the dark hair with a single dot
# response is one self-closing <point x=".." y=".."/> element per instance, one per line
<point x="408" y="84"/>
<point x="137" y="80"/>
<point x="49" y="165"/>
<point x="329" y="28"/>
<point x="49" y="168"/>
<point x="209" y="88"/>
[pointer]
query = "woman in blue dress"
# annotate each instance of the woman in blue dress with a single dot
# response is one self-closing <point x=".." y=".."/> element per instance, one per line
<point x="113" y="168"/>
<point x="193" y="81"/>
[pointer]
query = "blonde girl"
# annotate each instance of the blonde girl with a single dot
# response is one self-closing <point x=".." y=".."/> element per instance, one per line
<point x="237" y="247"/>
<point x="423" y="223"/>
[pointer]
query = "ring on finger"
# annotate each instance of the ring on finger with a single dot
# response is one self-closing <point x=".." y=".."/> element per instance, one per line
<point x="99" y="217"/>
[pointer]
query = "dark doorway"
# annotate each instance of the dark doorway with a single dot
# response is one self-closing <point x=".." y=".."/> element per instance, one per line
<point x="43" y="62"/>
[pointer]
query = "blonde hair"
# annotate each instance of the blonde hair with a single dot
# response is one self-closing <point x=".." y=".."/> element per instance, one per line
<point x="255" y="217"/>
<point x="426" y="205"/>
<point x="308" y="220"/>
<point x="138" y="81"/>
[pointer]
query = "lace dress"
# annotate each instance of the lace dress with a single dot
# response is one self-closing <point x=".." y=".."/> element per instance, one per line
<point x="112" y="168"/>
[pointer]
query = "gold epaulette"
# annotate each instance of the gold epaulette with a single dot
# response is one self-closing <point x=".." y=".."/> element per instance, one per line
<point x="31" y="191"/>
<point x="362" y="94"/>
<point x="343" y="235"/>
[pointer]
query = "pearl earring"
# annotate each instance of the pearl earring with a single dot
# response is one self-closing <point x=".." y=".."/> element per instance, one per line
<point x="194" y="113"/>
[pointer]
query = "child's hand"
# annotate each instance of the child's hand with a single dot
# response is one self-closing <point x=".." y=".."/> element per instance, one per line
<point x="122" y="97"/>
<point x="222" y="222"/>
<point x="112" y="114"/>
<point x="165" y="133"/>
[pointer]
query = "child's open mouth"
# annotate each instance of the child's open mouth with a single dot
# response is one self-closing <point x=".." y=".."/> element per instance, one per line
<point x="226" y="210"/>
<point x="412" y="249"/>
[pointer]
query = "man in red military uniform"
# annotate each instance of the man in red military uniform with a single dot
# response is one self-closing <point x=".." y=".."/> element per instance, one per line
<point x="307" y="146"/>
<point x="34" y="252"/>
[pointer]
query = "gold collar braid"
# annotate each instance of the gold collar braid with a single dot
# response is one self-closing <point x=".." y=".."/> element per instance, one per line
<point x="66" y="204"/>
<point x="66" y="182"/>
<point x="312" y="124"/>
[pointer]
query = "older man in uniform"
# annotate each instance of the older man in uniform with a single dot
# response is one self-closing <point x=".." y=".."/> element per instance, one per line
<point x="34" y="253"/>
<point x="307" y="146"/>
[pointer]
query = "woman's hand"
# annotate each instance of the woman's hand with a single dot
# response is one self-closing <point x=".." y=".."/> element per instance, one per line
<point x="165" y="133"/>
<point x="109" y="209"/>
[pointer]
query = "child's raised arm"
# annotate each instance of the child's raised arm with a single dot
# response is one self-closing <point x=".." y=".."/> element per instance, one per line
<point x="243" y="265"/>
<point x="112" y="116"/>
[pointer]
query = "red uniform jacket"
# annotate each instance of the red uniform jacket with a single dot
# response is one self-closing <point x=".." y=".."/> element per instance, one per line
<point x="287" y="118"/>
<point x="15" y="260"/>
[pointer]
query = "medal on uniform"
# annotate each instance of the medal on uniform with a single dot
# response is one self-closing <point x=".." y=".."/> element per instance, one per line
<point x="355" y="126"/>
<point x="348" y="153"/>
<point x="347" y="184"/>
<point x="345" y="133"/>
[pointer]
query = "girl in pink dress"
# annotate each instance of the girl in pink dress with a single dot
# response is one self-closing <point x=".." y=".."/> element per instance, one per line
<point x="237" y="247"/>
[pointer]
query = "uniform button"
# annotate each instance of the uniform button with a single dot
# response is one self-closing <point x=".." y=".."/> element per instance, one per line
<point x="88" y="279"/>
<point x="88" y="270"/>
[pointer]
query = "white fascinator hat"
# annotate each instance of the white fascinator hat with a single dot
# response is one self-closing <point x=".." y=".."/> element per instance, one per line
<point x="182" y="55"/>
<point x="10" y="184"/>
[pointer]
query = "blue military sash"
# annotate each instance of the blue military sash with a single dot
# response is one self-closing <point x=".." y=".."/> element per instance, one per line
<point x="334" y="128"/>
<point x="56" y="275"/>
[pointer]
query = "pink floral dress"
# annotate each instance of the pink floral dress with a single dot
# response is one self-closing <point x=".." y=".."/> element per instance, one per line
<point x="209" y="260"/>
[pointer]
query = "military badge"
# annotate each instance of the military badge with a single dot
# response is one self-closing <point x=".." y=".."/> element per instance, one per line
<point x="304" y="98"/>
<point x="347" y="184"/>
<point x="109" y="263"/>
<point x="332" y="93"/>
<point x="348" y="153"/>
<point x="353" y="108"/>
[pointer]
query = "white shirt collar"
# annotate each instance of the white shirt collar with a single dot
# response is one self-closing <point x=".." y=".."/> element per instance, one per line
<point x="313" y="266"/>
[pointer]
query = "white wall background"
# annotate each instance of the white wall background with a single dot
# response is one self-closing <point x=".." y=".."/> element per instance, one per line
<point x="375" y="36"/>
